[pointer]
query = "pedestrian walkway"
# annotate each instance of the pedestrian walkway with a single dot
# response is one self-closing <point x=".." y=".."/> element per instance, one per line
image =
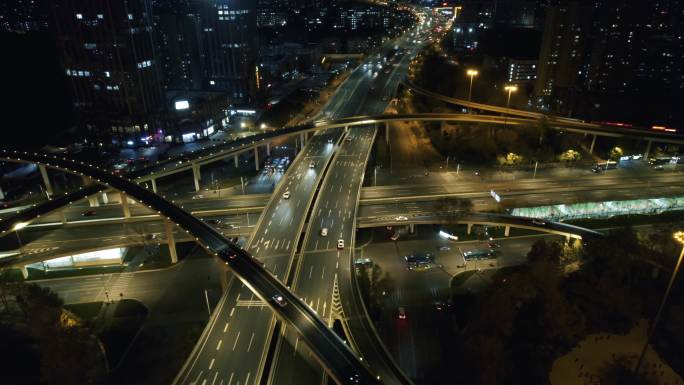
<point x="584" y="363"/>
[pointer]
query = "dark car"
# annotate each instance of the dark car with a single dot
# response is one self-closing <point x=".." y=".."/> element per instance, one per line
<point x="88" y="213"/>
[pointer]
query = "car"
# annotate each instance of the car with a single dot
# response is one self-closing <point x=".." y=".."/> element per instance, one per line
<point x="441" y="305"/>
<point x="286" y="195"/>
<point x="659" y="167"/>
<point x="312" y="165"/>
<point x="538" y="222"/>
<point x="385" y="98"/>
<point x="197" y="196"/>
<point x="279" y="300"/>
<point x="340" y="244"/>
<point x="362" y="261"/>
<point x="394" y="236"/>
<point x="494" y="245"/>
<point x="88" y="213"/>
<point x="401" y="218"/>
<point x="330" y="140"/>
<point x="214" y="221"/>
<point x="348" y="138"/>
<point x="445" y="248"/>
<point x="402" y="312"/>
<point x="324" y="232"/>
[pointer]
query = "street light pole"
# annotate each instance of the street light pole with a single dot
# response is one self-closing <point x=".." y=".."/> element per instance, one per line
<point x="511" y="89"/>
<point x="679" y="237"/>
<point x="472" y="73"/>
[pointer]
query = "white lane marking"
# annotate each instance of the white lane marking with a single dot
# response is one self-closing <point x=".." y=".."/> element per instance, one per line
<point x="214" y="380"/>
<point x="249" y="347"/>
<point x="247" y="379"/>
<point x="230" y="381"/>
<point x="236" y="340"/>
<point x="211" y="364"/>
<point x="218" y="346"/>
<point x="231" y="312"/>
<point x="226" y="327"/>
<point x="295" y="347"/>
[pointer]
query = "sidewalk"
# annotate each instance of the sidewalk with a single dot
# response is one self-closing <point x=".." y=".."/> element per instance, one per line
<point x="584" y="363"/>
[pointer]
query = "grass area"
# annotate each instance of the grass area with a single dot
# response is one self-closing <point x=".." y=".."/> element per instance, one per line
<point x="85" y="311"/>
<point x="120" y="331"/>
<point x="629" y="220"/>
<point x="76" y="272"/>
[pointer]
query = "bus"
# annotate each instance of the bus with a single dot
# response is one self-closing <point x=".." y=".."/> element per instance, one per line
<point x="609" y="165"/>
<point x="479" y="254"/>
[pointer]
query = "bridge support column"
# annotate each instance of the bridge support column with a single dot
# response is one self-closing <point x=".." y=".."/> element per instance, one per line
<point x="154" y="185"/>
<point x="302" y="140"/>
<point x="507" y="230"/>
<point x="237" y="160"/>
<point x="92" y="200"/>
<point x="105" y="197"/>
<point x="24" y="271"/>
<point x="124" y="205"/>
<point x="593" y="142"/>
<point x="412" y="228"/>
<point x="171" y="240"/>
<point x="648" y="150"/>
<point x="196" y="175"/>
<point x="46" y="179"/>
<point x="387" y="132"/>
<point x="470" y="228"/>
<point x="62" y="216"/>
<point x="567" y="239"/>
<point x="256" y="157"/>
<point x="268" y="148"/>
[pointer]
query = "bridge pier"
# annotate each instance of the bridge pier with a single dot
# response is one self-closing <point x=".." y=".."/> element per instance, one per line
<point x="62" y="216"/>
<point x="46" y="179"/>
<point x="124" y="205"/>
<point x="412" y="228"/>
<point x="302" y="140"/>
<point x="154" y="185"/>
<point x="387" y="125"/>
<point x="196" y="176"/>
<point x="470" y="228"/>
<point x="24" y="271"/>
<point x="92" y="200"/>
<point x="268" y="148"/>
<point x="105" y="197"/>
<point x="648" y="150"/>
<point x="237" y="160"/>
<point x="593" y="142"/>
<point x="507" y="231"/>
<point x="256" y="157"/>
<point x="171" y="240"/>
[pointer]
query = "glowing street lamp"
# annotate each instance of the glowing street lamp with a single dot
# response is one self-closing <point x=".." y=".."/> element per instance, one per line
<point x="510" y="89"/>
<point x="679" y="237"/>
<point x="472" y="73"/>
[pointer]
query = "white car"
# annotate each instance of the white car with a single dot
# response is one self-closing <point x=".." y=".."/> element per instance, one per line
<point x="198" y="196"/>
<point x="286" y="195"/>
<point x="312" y="165"/>
<point x="279" y="300"/>
<point x="340" y="244"/>
<point x="401" y="218"/>
<point x="324" y="232"/>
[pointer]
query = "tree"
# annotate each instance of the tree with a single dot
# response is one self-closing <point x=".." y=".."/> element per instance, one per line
<point x="570" y="156"/>
<point x="511" y="159"/>
<point x="616" y="153"/>
<point x="545" y="251"/>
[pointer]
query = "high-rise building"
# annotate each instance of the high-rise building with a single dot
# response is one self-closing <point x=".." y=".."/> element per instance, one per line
<point x="563" y="54"/>
<point x="599" y="56"/>
<point x="108" y="56"/>
<point x="22" y="16"/>
<point x="178" y="33"/>
<point x="230" y="46"/>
